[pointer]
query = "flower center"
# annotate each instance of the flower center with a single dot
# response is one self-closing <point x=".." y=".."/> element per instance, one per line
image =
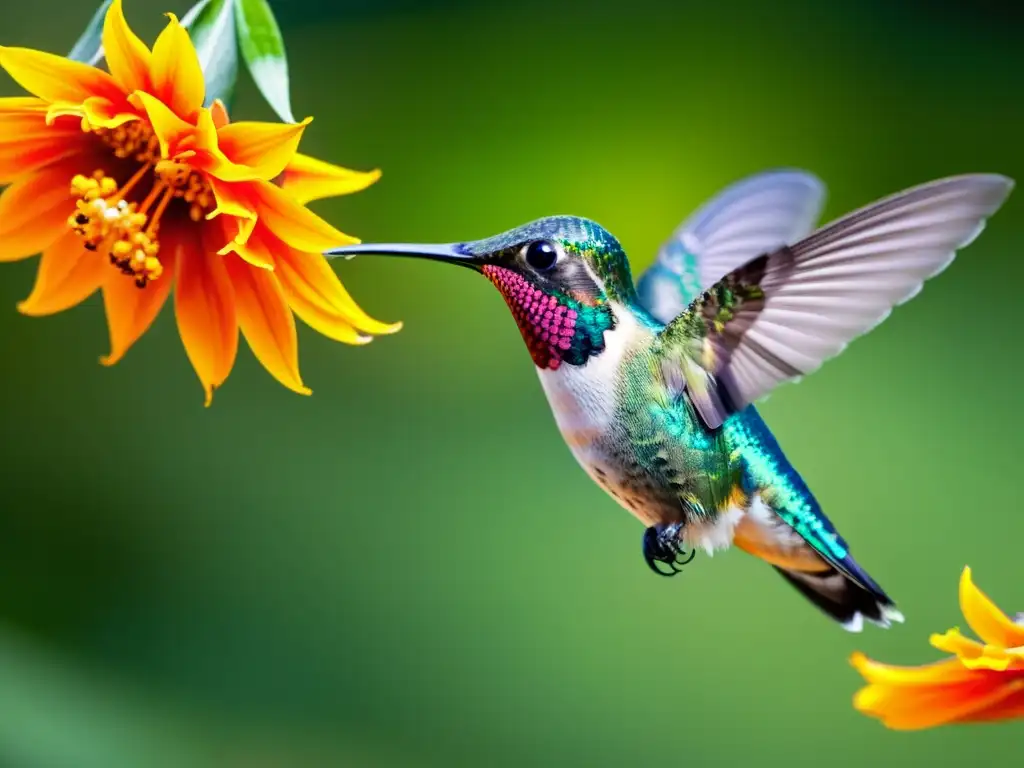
<point x="134" y="140"/>
<point x="128" y="231"/>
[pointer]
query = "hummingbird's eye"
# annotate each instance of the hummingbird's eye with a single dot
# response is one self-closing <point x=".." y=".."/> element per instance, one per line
<point x="541" y="255"/>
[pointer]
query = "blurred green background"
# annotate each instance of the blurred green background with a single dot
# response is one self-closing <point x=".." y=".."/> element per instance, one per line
<point x="408" y="568"/>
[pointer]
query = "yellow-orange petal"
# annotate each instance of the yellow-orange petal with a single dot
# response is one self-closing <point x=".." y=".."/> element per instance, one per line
<point x="945" y="671"/>
<point x="250" y="248"/>
<point x="975" y="655"/>
<point x="327" y="324"/>
<point x="128" y="58"/>
<point x="254" y="150"/>
<point x="295" y="224"/>
<point x="307" y="178"/>
<point x="59" y="109"/>
<point x="26" y="129"/>
<point x="1009" y="708"/>
<point x="131" y="310"/>
<point x="23" y="105"/>
<point x="205" y="137"/>
<point x="21" y="159"/>
<point x="984" y="617"/>
<point x="205" y="154"/>
<point x="168" y="127"/>
<point x="918" y="707"/>
<point x="204" y="305"/>
<point x="237" y="233"/>
<point x="102" y="113"/>
<point x="219" y="113"/>
<point x="34" y="210"/>
<point x="27" y="143"/>
<point x="55" y="78"/>
<point x="266" y="322"/>
<point x="232" y="200"/>
<point x="68" y="274"/>
<point x="177" y="76"/>
<point x="310" y="283"/>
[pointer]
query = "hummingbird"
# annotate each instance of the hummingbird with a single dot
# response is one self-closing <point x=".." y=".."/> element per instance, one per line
<point x="653" y="386"/>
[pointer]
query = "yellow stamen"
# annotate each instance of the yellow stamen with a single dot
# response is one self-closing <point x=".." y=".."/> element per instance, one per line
<point x="128" y="231"/>
<point x="131" y="182"/>
<point x="157" y="189"/>
<point x="134" y="140"/>
<point x="108" y="223"/>
<point x="189" y="186"/>
<point x="154" y="221"/>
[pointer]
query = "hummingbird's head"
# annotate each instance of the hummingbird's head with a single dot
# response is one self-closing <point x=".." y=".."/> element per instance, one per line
<point x="563" y="277"/>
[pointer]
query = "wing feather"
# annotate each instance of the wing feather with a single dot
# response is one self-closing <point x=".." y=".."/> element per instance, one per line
<point x="745" y="219"/>
<point x="781" y="315"/>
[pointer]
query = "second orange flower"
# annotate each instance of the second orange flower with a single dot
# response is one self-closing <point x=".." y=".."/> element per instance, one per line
<point x="981" y="681"/>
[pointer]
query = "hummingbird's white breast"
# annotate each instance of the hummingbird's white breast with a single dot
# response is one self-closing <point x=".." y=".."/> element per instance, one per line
<point x="584" y="401"/>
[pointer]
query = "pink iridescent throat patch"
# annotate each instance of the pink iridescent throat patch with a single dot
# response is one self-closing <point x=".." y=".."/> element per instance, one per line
<point x="547" y="326"/>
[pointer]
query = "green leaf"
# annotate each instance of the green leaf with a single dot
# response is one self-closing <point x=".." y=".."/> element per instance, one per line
<point x="211" y="25"/>
<point x="262" y="46"/>
<point x="89" y="47"/>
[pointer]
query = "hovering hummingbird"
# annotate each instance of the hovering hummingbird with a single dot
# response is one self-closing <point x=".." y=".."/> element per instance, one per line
<point x="653" y="387"/>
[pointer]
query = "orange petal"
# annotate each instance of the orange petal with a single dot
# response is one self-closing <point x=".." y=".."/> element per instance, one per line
<point x="27" y="126"/>
<point x="984" y="617"/>
<point x="917" y="707"/>
<point x="1009" y="708"/>
<point x="103" y="113"/>
<point x="16" y="130"/>
<point x="168" y="127"/>
<point x="975" y="655"/>
<point x="130" y="309"/>
<point x="177" y="77"/>
<point x="945" y="671"/>
<point x="266" y="322"/>
<point x="293" y="223"/>
<point x="23" y="158"/>
<point x="252" y="150"/>
<point x="204" y="304"/>
<point x="206" y="156"/>
<point x="250" y="248"/>
<point x="206" y="132"/>
<point x="128" y="58"/>
<point x="307" y="178"/>
<point x="35" y="209"/>
<point x="55" y="78"/>
<point x="28" y="141"/>
<point x="330" y="325"/>
<point x="219" y="113"/>
<point x="68" y="274"/>
<point x="22" y="105"/>
<point x="232" y="200"/>
<point x="236" y="208"/>
<point x="318" y="297"/>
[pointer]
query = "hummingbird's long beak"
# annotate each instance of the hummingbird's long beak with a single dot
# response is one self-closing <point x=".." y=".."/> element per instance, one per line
<point x="453" y="253"/>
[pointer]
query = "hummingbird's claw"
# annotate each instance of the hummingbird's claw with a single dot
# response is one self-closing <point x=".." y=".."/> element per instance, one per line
<point x="661" y="546"/>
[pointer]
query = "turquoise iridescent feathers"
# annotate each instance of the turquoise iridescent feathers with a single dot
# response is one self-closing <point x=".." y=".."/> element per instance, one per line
<point x="653" y="389"/>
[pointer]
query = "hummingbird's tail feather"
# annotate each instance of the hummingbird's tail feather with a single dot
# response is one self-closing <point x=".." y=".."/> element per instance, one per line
<point x="844" y="599"/>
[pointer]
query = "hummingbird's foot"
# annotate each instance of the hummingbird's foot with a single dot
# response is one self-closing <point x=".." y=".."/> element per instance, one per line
<point x="662" y="546"/>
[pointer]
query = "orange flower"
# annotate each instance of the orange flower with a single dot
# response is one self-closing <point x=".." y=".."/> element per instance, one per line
<point x="126" y="183"/>
<point x="983" y="681"/>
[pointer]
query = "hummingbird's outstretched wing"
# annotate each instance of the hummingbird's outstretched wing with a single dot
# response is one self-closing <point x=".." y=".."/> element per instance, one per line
<point x="784" y="313"/>
<point x="747" y="218"/>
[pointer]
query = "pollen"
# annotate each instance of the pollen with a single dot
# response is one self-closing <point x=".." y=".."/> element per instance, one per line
<point x="124" y="231"/>
<point x="128" y="232"/>
<point x="187" y="185"/>
<point x="134" y="140"/>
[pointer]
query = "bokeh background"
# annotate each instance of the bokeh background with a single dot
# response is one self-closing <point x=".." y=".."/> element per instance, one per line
<point x="408" y="568"/>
